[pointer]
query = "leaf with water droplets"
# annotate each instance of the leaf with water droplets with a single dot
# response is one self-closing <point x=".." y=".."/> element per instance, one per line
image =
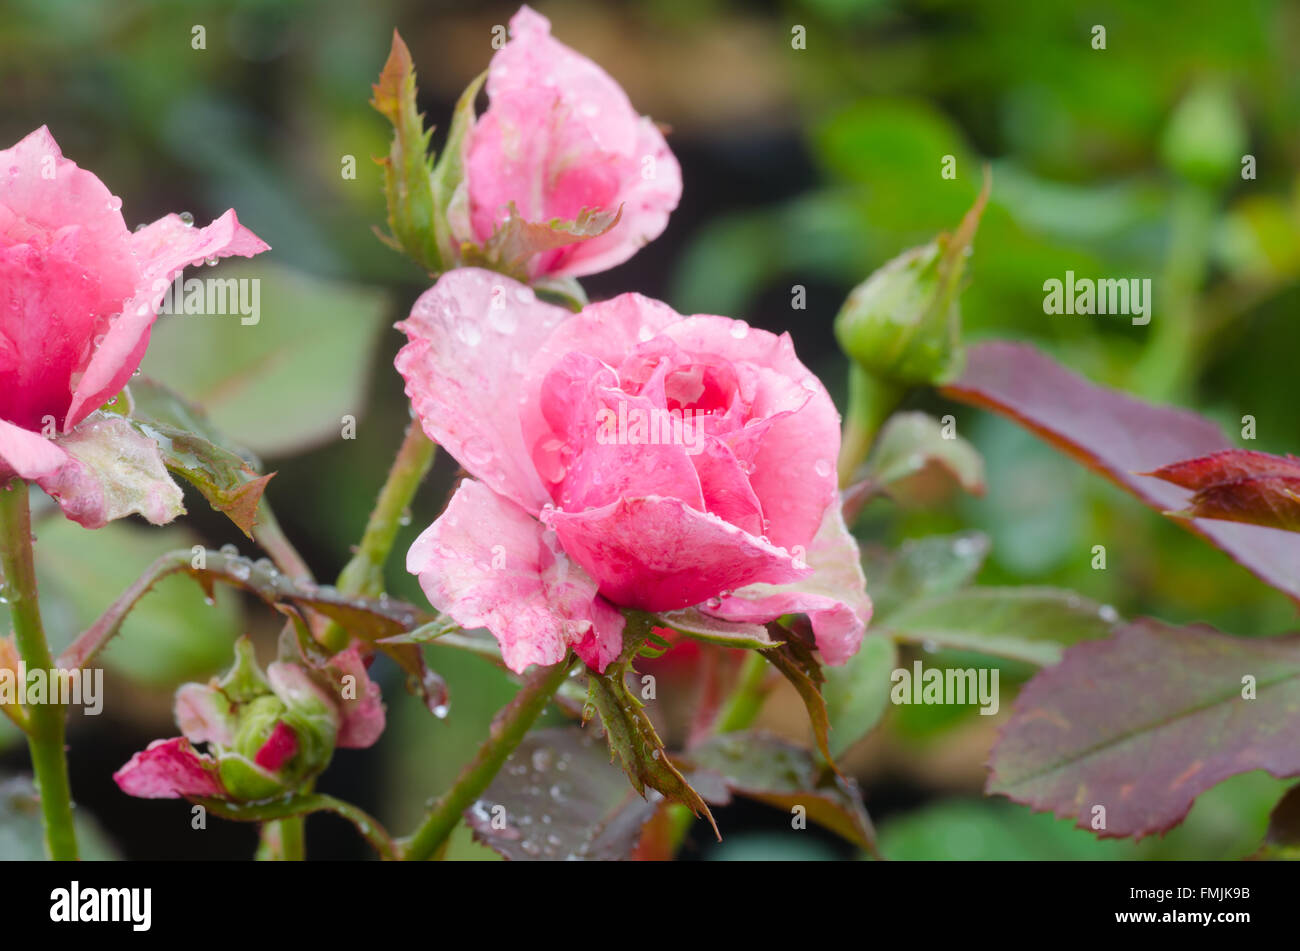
<point x="761" y="766"/>
<point x="516" y="241"/>
<point x="226" y="475"/>
<point x="1023" y="623"/>
<point x="558" y="797"/>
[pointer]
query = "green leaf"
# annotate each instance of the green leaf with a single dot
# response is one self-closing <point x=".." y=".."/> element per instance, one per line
<point x="631" y="735"/>
<point x="700" y="626"/>
<point x="772" y="770"/>
<point x="284" y="383"/>
<point x="408" y="167"/>
<point x="22" y="836"/>
<point x="920" y="568"/>
<point x="562" y="800"/>
<point x="796" y="659"/>
<point x="225" y="475"/>
<point x="449" y="173"/>
<point x="857" y="693"/>
<point x="1022" y="623"/>
<point x="916" y="465"/>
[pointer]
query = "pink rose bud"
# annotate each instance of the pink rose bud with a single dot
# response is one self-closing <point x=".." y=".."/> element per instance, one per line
<point x="560" y="146"/>
<point x="79" y="294"/>
<point x="623" y="457"/>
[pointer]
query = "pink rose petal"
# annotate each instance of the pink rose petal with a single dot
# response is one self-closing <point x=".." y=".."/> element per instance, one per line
<point x="169" y="769"/>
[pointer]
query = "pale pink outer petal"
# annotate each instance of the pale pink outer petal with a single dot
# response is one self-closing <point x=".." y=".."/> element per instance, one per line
<point x="203" y="715"/>
<point x="834" y="596"/>
<point x="113" y="471"/>
<point x="488" y="563"/>
<point x="472" y="336"/>
<point x="30" y="455"/>
<point x="659" y="554"/>
<point x="163" y="249"/>
<point x="648" y="196"/>
<point x="169" y="769"/>
<point x="793" y="486"/>
<point x="362" y="716"/>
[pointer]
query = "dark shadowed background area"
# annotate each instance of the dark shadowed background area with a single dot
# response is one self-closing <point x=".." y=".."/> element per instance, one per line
<point x="803" y="167"/>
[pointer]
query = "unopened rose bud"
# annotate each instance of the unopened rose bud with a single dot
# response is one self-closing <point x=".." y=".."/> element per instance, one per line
<point x="1206" y="136"/>
<point x="903" y="323"/>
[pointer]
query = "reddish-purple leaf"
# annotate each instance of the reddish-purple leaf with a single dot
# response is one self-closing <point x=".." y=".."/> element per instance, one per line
<point x="1120" y="437"/>
<point x="1142" y="723"/>
<point x="1240" y="485"/>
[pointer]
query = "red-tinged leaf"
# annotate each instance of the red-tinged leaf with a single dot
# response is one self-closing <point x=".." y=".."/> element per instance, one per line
<point x="1144" y="722"/>
<point x="516" y="241"/>
<point x="559" y="797"/>
<point x="772" y="770"/>
<point x="1240" y="485"/>
<point x="1120" y="437"/>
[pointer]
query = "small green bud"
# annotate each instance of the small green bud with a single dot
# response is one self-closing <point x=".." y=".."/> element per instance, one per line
<point x="903" y="323"/>
<point x="245" y="680"/>
<point x="1206" y="135"/>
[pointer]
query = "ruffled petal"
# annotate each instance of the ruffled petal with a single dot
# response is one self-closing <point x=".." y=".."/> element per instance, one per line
<point x="471" y="338"/>
<point x="659" y="554"/>
<point x="834" y="596"/>
<point x="169" y="769"/>
<point x="487" y="563"/>
<point x="163" y="249"/>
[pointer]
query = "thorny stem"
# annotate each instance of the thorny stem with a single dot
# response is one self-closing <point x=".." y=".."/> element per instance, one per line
<point x="508" y="729"/>
<point x="45" y="721"/>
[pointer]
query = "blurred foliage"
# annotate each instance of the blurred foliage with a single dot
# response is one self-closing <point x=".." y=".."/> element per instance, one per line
<point x="803" y="167"/>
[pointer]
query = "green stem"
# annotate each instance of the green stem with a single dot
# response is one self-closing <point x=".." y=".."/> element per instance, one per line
<point x="299" y="806"/>
<point x="746" y="700"/>
<point x="1169" y="362"/>
<point x="364" y="574"/>
<point x="871" y="400"/>
<point x="45" y="721"/>
<point x="508" y="729"/>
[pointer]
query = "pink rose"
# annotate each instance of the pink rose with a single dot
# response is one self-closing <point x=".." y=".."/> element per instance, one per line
<point x="80" y="293"/>
<point x="560" y="137"/>
<point x="624" y="457"/>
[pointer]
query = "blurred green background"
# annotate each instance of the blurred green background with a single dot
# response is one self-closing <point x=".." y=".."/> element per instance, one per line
<point x="804" y="167"/>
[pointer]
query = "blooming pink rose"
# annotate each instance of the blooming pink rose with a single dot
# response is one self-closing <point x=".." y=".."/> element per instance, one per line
<point x="624" y="457"/>
<point x="80" y="293"/>
<point x="560" y="137"/>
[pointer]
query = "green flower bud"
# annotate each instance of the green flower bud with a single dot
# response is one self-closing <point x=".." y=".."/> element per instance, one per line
<point x="903" y="323"/>
<point x="1206" y="136"/>
<point x="245" y="680"/>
